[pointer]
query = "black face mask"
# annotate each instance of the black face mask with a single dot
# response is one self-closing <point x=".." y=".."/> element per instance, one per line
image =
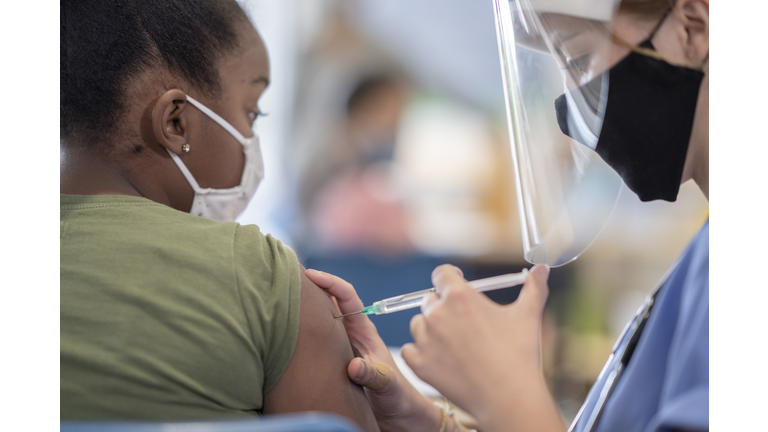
<point x="647" y="124"/>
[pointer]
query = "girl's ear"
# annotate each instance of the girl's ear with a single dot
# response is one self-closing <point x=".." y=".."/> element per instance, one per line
<point x="169" y="123"/>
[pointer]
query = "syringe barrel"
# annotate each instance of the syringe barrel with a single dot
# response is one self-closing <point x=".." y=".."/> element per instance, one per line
<point x="402" y="302"/>
<point x="402" y="305"/>
<point x="414" y="299"/>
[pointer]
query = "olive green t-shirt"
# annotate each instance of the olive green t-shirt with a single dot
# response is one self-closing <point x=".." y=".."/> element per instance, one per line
<point x="166" y="315"/>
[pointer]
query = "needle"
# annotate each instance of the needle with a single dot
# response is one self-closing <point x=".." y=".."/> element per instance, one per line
<point x="353" y="313"/>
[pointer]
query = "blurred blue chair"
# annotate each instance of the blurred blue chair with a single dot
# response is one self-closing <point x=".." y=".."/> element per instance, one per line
<point x="304" y="422"/>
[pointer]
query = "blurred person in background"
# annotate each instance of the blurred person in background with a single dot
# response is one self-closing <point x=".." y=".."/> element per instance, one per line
<point x="486" y="358"/>
<point x="352" y="199"/>
<point x="342" y="76"/>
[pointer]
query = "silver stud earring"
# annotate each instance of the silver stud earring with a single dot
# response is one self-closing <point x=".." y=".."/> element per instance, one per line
<point x="185" y="148"/>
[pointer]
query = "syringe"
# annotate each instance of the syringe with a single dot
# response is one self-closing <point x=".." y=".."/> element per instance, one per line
<point x="414" y="299"/>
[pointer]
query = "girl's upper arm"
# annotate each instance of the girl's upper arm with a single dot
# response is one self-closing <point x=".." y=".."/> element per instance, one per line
<point x="316" y="377"/>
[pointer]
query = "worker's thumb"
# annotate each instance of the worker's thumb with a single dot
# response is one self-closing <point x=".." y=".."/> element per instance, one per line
<point x="535" y="290"/>
<point x="375" y="376"/>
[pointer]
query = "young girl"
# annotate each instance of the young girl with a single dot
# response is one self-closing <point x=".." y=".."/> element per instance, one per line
<point x="169" y="310"/>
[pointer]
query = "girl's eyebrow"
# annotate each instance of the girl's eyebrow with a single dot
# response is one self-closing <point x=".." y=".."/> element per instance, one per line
<point x="264" y="80"/>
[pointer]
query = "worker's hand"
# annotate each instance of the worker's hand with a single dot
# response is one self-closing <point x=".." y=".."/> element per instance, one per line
<point x="482" y="356"/>
<point x="395" y="402"/>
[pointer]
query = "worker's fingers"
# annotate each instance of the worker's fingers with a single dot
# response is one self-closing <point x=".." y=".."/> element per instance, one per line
<point x="375" y="376"/>
<point x="446" y="267"/>
<point x="445" y="276"/>
<point x="410" y="354"/>
<point x="428" y="304"/>
<point x="418" y="327"/>
<point x="362" y="333"/>
<point x="414" y="358"/>
<point x="535" y="290"/>
<point x="342" y="290"/>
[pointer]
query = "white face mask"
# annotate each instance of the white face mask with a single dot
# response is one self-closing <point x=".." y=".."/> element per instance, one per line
<point x="224" y="205"/>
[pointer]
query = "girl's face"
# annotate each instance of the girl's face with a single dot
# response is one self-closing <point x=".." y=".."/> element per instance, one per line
<point x="216" y="158"/>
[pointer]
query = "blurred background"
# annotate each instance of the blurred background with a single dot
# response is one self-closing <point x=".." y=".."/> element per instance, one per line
<point x="387" y="153"/>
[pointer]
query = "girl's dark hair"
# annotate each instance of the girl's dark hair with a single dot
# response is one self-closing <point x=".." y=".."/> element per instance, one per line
<point x="106" y="43"/>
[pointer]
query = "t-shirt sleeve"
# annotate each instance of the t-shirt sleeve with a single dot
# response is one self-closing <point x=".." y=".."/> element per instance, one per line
<point x="269" y="285"/>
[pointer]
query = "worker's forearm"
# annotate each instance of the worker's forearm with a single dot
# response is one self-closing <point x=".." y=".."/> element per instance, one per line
<point x="423" y="415"/>
<point x="511" y="411"/>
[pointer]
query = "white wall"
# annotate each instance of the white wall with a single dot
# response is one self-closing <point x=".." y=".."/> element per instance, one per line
<point x="271" y="208"/>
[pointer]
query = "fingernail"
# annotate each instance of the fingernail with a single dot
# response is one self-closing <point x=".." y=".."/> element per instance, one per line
<point x="541" y="270"/>
<point x="361" y="374"/>
<point x="316" y="272"/>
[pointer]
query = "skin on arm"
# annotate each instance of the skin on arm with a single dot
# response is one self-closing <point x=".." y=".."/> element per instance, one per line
<point x="316" y="377"/>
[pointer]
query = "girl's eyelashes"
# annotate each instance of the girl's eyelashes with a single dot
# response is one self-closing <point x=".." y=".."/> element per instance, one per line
<point x="254" y="115"/>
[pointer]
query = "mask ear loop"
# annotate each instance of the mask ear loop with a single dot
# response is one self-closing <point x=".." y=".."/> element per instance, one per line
<point x="218" y="119"/>
<point x="642" y="50"/>
<point x="658" y="24"/>
<point x="652" y="53"/>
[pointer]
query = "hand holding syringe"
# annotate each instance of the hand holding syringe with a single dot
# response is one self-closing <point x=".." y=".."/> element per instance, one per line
<point x="414" y="299"/>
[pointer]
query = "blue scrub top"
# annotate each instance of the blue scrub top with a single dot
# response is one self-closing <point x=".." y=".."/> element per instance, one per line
<point x="665" y="386"/>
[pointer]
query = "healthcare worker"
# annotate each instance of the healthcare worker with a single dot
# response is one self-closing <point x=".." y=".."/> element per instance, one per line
<point x="632" y="87"/>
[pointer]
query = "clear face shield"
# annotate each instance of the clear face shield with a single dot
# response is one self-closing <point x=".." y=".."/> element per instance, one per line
<point x="555" y="55"/>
